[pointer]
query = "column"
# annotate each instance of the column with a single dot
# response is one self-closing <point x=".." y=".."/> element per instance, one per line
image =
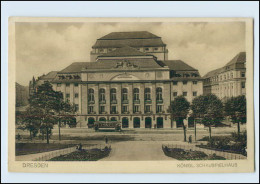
<point x="119" y="98"/>
<point x="142" y="122"/>
<point x="130" y="95"/>
<point x="96" y="105"/>
<point x="107" y="94"/>
<point x="80" y="106"/>
<point x="71" y="90"/>
<point x="153" y="96"/>
<point x="84" y="99"/>
<point x="141" y="96"/>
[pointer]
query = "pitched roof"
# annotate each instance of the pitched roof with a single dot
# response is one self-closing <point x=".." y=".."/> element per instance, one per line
<point x="212" y="73"/>
<point x="76" y="67"/>
<point x="150" y="42"/>
<point x="239" y="58"/>
<point x="123" y="52"/>
<point x="178" y="65"/>
<point x="50" y="75"/>
<point x="128" y="35"/>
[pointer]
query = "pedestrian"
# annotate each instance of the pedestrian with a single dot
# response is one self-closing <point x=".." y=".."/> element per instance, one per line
<point x="80" y="146"/>
<point x="190" y="139"/>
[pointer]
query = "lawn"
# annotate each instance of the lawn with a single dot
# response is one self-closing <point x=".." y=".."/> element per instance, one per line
<point x="84" y="155"/>
<point x="181" y="154"/>
<point x="30" y="148"/>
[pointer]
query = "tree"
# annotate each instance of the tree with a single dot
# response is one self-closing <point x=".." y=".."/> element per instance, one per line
<point x="210" y="110"/>
<point x="179" y="110"/>
<point x="64" y="111"/>
<point x="198" y="108"/>
<point x="47" y="100"/>
<point x="235" y="108"/>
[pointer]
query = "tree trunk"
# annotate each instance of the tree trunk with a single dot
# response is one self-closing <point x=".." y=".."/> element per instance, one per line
<point x="209" y="131"/>
<point x="238" y="128"/>
<point x="47" y="135"/>
<point x="59" y="131"/>
<point x="184" y="131"/>
<point x="195" y="130"/>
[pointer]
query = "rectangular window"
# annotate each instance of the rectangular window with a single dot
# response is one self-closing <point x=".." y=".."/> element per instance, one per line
<point x="159" y="108"/>
<point x="76" y="84"/>
<point x="113" y="109"/>
<point x="76" y="95"/>
<point x="175" y="82"/>
<point x="175" y="93"/>
<point x="243" y="84"/>
<point x="58" y="84"/>
<point x="67" y="95"/>
<point x="136" y="96"/>
<point x="124" y="108"/>
<point x="194" y="93"/>
<point x="147" y="108"/>
<point x="195" y="82"/>
<point x="136" y="108"/>
<point x="76" y="107"/>
<point x="102" y="109"/>
<point x="124" y="96"/>
<point x="90" y="109"/>
<point x="243" y="74"/>
<point x="101" y="50"/>
<point x="67" y="84"/>
<point x="155" y="48"/>
<point x="184" y="82"/>
<point x="147" y="49"/>
<point x="184" y="93"/>
<point x="110" y="50"/>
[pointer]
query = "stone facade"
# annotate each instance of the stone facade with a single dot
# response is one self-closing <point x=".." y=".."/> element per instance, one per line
<point x="228" y="81"/>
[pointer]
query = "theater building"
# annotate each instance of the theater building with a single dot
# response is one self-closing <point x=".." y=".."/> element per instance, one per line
<point x="127" y="82"/>
<point x="229" y="80"/>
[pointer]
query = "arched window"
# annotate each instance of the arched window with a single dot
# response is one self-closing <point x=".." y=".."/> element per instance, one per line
<point x="113" y="94"/>
<point x="147" y="94"/>
<point x="102" y="119"/>
<point x="124" y="94"/>
<point x="102" y="96"/>
<point x="91" y="95"/>
<point x="136" y="94"/>
<point x="159" y="94"/>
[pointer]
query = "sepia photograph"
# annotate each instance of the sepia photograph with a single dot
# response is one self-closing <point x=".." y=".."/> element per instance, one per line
<point x="103" y="92"/>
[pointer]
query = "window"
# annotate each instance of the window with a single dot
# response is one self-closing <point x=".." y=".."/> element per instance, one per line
<point x="243" y="84"/>
<point x="175" y="93"/>
<point x="76" y="84"/>
<point x="76" y="107"/>
<point x="136" y="108"/>
<point x="124" y="94"/>
<point x="91" y="95"/>
<point x="159" y="94"/>
<point x="136" y="94"/>
<point x="113" y="94"/>
<point x="138" y="49"/>
<point x="102" y="96"/>
<point x="195" y="82"/>
<point x="184" y="93"/>
<point x="175" y="82"/>
<point x="124" y="108"/>
<point x="102" y="109"/>
<point x="147" y="49"/>
<point x="184" y="82"/>
<point x="58" y="84"/>
<point x="67" y="84"/>
<point x="110" y="50"/>
<point x="243" y="74"/>
<point x="194" y="93"/>
<point x="113" y="109"/>
<point x="76" y="95"/>
<point x="147" y="108"/>
<point x="159" y="108"/>
<point x="101" y="50"/>
<point x="90" y="109"/>
<point x="231" y="75"/>
<point x="156" y="48"/>
<point x="67" y="95"/>
<point x="147" y="94"/>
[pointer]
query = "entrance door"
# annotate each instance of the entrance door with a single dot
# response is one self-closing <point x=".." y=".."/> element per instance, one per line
<point x="159" y="122"/>
<point x="148" y="122"/>
<point x="125" y="122"/>
<point x="91" y="122"/>
<point x="136" y="122"/>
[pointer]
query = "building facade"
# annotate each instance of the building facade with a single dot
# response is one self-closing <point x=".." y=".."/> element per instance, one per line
<point x="128" y="83"/>
<point x="227" y="81"/>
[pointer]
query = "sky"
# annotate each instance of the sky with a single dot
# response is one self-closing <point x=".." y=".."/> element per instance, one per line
<point x="45" y="47"/>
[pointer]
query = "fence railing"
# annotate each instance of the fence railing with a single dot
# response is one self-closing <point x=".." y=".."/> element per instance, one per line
<point x="49" y="155"/>
<point x="226" y="155"/>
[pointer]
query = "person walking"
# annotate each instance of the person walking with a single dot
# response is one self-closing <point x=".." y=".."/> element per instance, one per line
<point x="190" y="139"/>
